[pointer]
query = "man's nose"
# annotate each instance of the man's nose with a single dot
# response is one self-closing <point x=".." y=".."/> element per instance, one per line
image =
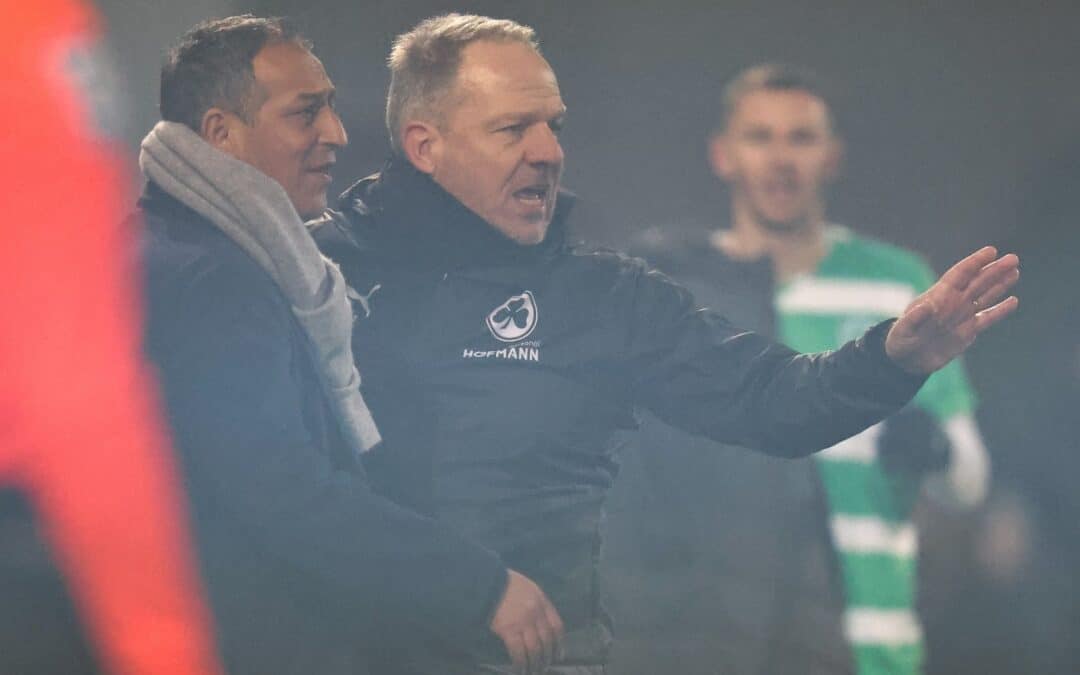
<point x="331" y="130"/>
<point x="783" y="148"/>
<point x="543" y="146"/>
<point x="781" y="154"/>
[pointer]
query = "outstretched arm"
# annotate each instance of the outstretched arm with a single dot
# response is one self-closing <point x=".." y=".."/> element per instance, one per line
<point x="698" y="372"/>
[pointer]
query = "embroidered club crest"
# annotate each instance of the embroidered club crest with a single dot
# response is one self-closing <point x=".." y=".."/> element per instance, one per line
<point x="513" y="320"/>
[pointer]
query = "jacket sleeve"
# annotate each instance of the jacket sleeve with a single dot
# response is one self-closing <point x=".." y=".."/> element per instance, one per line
<point x="697" y="371"/>
<point x="235" y="402"/>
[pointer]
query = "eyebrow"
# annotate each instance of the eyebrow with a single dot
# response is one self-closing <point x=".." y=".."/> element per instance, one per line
<point x="316" y="97"/>
<point x="526" y="115"/>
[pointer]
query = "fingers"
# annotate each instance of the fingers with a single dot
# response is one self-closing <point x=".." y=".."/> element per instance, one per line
<point x="538" y="644"/>
<point x="996" y="292"/>
<point x="964" y="272"/>
<point x="535" y="650"/>
<point x="547" y="644"/>
<point x="515" y="646"/>
<point x="556" y="624"/>
<point x="988" y="286"/>
<point x="1003" y="270"/>
<point x="534" y="653"/>
<point x="988" y="317"/>
<point x="544" y="642"/>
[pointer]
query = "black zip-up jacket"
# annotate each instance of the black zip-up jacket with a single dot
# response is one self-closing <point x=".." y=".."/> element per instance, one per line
<point x="525" y="361"/>
<point x="308" y="571"/>
<point x="735" y="545"/>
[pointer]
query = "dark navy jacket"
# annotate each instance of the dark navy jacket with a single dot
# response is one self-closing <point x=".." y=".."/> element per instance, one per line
<point x="520" y="364"/>
<point x="741" y="573"/>
<point x="308" y="570"/>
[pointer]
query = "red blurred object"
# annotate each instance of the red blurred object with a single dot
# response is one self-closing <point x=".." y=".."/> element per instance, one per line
<point x="80" y="431"/>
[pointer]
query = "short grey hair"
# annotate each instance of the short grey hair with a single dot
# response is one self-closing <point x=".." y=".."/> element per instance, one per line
<point x="424" y="64"/>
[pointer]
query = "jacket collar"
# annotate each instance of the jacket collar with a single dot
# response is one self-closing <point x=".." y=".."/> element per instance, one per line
<point x="155" y="199"/>
<point x="413" y="220"/>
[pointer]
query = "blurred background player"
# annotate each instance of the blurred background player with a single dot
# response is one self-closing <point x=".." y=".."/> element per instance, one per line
<point x="808" y="566"/>
<point x="81" y="452"/>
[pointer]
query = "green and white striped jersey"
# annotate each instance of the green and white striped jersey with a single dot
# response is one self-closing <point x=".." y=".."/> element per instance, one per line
<point x="859" y="283"/>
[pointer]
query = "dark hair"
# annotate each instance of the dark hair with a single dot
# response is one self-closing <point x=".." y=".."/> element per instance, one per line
<point x="773" y="77"/>
<point x="211" y="66"/>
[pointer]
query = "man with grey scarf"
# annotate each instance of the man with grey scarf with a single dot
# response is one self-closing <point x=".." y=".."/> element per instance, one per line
<point x="308" y="570"/>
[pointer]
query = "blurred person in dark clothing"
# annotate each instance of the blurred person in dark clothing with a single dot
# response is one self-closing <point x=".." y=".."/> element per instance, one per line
<point x="309" y="571"/>
<point x="804" y="566"/>
<point x="520" y="356"/>
<point x="97" y="573"/>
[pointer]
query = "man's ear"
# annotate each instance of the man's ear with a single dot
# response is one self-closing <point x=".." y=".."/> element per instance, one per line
<point x="217" y="129"/>
<point x="421" y="142"/>
<point x="719" y="158"/>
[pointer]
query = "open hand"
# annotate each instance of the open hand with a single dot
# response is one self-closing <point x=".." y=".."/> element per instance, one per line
<point x="942" y="322"/>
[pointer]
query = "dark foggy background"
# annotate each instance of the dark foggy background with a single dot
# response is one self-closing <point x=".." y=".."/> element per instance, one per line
<point x="951" y="113"/>
<point x="962" y="124"/>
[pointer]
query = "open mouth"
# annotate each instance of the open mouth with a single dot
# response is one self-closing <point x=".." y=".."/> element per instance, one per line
<point x="323" y="170"/>
<point x="533" y="195"/>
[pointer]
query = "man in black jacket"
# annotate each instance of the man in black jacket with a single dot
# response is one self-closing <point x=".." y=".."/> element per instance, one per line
<point x="521" y="356"/>
<point x="753" y="561"/>
<point x="308" y="570"/>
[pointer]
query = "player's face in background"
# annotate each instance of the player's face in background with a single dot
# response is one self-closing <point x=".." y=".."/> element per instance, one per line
<point x="777" y="153"/>
<point x="498" y="149"/>
<point x="294" y="133"/>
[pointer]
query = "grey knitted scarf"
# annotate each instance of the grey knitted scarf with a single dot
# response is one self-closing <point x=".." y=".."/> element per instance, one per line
<point x="254" y="211"/>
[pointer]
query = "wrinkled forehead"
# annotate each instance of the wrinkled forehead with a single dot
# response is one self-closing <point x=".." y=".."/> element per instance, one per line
<point x="493" y="73"/>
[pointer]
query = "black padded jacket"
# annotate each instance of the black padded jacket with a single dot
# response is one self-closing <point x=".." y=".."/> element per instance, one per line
<point x="502" y="374"/>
